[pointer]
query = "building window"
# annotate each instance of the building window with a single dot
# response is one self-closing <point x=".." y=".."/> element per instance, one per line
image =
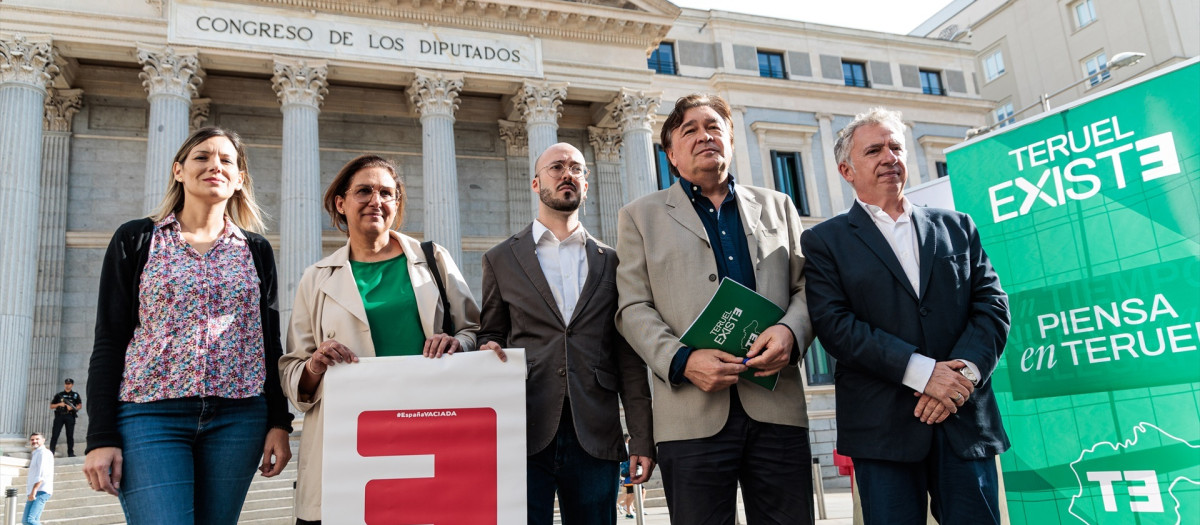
<point x="1085" y="13"/>
<point x="819" y="365"/>
<point x="941" y="168"/>
<point x="1096" y="68"/>
<point x="662" y="60"/>
<point x="1004" y="114"/>
<point x="663" y="166"/>
<point x="789" y="178"/>
<point x="931" y="82"/>
<point x="855" y="74"/>
<point x="993" y="65"/>
<point x="770" y="65"/>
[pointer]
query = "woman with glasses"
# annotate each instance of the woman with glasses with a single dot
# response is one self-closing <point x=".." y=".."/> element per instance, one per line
<point x="183" y="388"/>
<point x="375" y="296"/>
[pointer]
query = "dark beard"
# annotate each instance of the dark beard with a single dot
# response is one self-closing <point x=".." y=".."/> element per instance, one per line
<point x="565" y="205"/>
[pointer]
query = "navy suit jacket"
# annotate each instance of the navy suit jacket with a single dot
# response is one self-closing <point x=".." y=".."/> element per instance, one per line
<point x="866" y="314"/>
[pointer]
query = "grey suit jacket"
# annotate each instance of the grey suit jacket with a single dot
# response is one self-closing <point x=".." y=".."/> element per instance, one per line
<point x="868" y="316"/>
<point x="666" y="276"/>
<point x="586" y="361"/>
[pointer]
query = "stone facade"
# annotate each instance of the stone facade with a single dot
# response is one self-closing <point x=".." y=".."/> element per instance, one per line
<point x="463" y="130"/>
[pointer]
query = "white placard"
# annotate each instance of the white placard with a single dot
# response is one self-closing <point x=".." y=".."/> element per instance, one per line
<point x="309" y="34"/>
<point x="417" y="440"/>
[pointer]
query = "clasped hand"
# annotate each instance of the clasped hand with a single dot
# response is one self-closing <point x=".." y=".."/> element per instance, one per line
<point x="946" y="390"/>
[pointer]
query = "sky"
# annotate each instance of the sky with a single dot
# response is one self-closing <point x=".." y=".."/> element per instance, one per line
<point x="888" y="16"/>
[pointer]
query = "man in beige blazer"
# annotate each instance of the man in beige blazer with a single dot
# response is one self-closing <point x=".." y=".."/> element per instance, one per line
<point x="551" y="289"/>
<point x="675" y="245"/>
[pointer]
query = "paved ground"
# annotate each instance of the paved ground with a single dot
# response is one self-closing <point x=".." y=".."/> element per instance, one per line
<point x="838" y="511"/>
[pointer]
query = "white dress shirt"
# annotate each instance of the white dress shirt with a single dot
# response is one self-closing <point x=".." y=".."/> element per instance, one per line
<point x="41" y="468"/>
<point x="564" y="263"/>
<point x="901" y="235"/>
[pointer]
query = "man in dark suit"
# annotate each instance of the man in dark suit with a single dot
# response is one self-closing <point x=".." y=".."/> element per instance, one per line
<point x="551" y="289"/>
<point x="907" y="301"/>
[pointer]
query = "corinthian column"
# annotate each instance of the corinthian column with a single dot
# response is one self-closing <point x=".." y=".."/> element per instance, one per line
<point x="634" y="112"/>
<point x="26" y="70"/>
<point x="61" y="106"/>
<point x="516" y="161"/>
<point x="539" y="105"/>
<point x="435" y="97"/>
<point x="606" y="179"/>
<point x="171" y="76"/>
<point x="300" y="86"/>
<point x="833" y="179"/>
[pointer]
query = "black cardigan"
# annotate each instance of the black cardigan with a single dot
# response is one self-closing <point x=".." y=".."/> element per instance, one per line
<point x="117" y="316"/>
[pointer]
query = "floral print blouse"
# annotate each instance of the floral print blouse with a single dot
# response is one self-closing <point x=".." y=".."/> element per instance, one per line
<point x="200" y="329"/>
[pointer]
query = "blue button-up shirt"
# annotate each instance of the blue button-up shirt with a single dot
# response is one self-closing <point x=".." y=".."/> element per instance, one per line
<point x="729" y="246"/>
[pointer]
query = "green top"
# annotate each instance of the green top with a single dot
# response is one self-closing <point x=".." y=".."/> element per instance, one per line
<point x="391" y="305"/>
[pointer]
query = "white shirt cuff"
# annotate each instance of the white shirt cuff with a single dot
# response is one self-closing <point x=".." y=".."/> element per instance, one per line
<point x="974" y="369"/>
<point x="918" y="372"/>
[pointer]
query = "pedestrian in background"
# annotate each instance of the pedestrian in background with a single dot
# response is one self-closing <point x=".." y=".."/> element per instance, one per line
<point x="66" y="405"/>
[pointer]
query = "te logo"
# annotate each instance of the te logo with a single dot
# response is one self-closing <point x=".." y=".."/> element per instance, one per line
<point x="463" y="488"/>
<point x="1141" y="485"/>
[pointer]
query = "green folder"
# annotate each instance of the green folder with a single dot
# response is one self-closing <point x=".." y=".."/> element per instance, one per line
<point x="731" y="322"/>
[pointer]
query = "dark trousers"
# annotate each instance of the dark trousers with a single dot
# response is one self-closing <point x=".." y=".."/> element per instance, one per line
<point x="64" y="419"/>
<point x="585" y="485"/>
<point x="960" y="491"/>
<point x="772" y="462"/>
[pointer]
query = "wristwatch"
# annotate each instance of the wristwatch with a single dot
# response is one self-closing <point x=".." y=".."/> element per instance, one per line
<point x="967" y="373"/>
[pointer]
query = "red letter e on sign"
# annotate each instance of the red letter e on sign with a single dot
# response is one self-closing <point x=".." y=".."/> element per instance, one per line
<point x="462" y="442"/>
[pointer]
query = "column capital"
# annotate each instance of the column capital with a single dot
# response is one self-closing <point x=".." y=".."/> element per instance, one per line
<point x="299" y="81"/>
<point x="435" y="93"/>
<point x="540" y="102"/>
<point x="516" y="139"/>
<point x="606" y="143"/>
<point x="28" y="60"/>
<point x="825" y="116"/>
<point x="61" y="107"/>
<point x="199" y="116"/>
<point x="635" y="109"/>
<point x="169" y="70"/>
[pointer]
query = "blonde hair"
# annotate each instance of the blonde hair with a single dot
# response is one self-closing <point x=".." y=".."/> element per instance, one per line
<point x="241" y="209"/>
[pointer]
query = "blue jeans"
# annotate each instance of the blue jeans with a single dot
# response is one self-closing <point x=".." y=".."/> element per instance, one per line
<point x="189" y="460"/>
<point x="33" y="509"/>
<point x="584" y="483"/>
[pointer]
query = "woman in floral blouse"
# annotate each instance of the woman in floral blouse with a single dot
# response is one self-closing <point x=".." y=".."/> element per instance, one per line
<point x="184" y="393"/>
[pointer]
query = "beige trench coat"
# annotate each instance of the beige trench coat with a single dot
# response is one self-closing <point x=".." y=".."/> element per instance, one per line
<point x="328" y="306"/>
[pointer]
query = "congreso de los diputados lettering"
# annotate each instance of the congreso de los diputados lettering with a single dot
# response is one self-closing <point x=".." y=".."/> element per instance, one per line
<point x="95" y="98"/>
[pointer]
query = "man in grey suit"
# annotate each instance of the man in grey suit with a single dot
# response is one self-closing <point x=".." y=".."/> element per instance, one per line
<point x="551" y="289"/>
<point x="906" y="300"/>
<point x="675" y="246"/>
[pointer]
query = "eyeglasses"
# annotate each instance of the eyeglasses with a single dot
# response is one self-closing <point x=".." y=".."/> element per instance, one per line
<point x="558" y="169"/>
<point x="363" y="194"/>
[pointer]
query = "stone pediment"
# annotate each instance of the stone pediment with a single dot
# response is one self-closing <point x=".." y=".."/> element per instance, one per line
<point x="636" y="22"/>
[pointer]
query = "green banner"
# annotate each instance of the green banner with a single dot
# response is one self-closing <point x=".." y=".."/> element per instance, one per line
<point x="1091" y="216"/>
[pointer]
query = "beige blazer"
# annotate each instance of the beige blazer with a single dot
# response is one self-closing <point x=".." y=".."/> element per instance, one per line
<point x="329" y="306"/>
<point x="666" y="275"/>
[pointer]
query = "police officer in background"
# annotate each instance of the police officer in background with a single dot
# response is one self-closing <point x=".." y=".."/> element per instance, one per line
<point x="66" y="406"/>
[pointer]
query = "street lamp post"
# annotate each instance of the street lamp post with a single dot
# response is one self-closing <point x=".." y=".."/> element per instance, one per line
<point x="1118" y="61"/>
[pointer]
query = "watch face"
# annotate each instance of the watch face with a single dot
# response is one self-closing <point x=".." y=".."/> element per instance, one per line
<point x="966" y="372"/>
